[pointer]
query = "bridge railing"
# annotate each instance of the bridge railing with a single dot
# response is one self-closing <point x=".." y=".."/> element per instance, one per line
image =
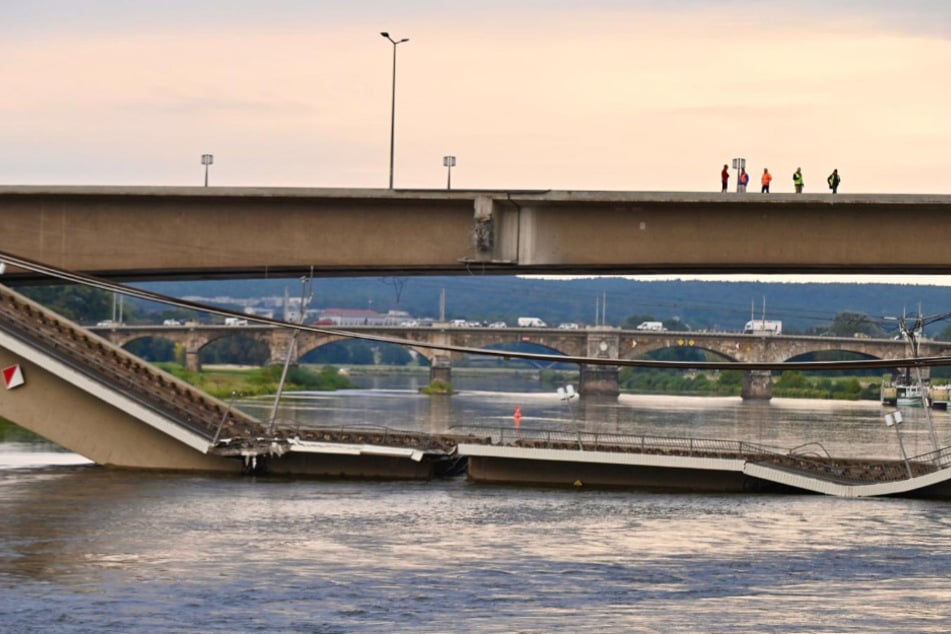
<point x="940" y="458"/>
<point x="842" y="470"/>
<point x="368" y="433"/>
<point x="612" y="441"/>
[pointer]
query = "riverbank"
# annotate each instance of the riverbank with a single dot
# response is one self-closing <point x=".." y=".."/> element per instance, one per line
<point x="222" y="381"/>
<point x="242" y="381"/>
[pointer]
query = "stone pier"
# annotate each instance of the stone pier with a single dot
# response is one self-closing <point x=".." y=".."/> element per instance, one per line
<point x="757" y="385"/>
<point x="601" y="380"/>
<point x="441" y="369"/>
<point x="192" y="361"/>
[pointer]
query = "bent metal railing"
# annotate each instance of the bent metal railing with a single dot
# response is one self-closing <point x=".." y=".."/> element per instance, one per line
<point x="841" y="470"/>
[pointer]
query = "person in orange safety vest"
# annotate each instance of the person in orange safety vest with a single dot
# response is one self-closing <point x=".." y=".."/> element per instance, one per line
<point x="767" y="177"/>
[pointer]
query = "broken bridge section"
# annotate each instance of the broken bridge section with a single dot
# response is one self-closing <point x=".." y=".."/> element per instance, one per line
<point x="95" y="399"/>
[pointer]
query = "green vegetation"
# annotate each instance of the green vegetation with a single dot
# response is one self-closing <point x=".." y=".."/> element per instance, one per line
<point x="554" y="378"/>
<point x="223" y="382"/>
<point x="9" y="432"/>
<point x="790" y="384"/>
<point x="795" y="384"/>
<point x="649" y="381"/>
<point x="437" y="387"/>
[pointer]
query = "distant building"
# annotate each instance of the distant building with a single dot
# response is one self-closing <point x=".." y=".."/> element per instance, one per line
<point x="361" y="317"/>
<point x="350" y="317"/>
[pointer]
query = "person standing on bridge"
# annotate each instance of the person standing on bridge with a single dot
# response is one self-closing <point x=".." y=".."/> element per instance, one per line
<point x="724" y="178"/>
<point x="834" y="181"/>
<point x="742" y="180"/>
<point x="797" y="180"/>
<point x="765" y="180"/>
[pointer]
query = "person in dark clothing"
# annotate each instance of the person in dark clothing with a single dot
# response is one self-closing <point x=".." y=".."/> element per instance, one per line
<point x="724" y="178"/>
<point x="834" y="181"/>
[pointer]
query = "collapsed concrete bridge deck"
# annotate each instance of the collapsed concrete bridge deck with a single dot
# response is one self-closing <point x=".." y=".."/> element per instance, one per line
<point x="95" y="399"/>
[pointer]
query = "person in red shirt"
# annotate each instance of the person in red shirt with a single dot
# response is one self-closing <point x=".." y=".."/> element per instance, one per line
<point x="767" y="177"/>
<point x="724" y="177"/>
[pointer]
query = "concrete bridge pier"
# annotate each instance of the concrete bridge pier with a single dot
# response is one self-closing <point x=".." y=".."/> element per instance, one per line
<point x="757" y="385"/>
<point x="440" y="369"/>
<point x="192" y="361"/>
<point x="599" y="380"/>
<point x="283" y="342"/>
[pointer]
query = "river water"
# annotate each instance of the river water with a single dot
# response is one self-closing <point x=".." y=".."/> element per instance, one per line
<point x="86" y="549"/>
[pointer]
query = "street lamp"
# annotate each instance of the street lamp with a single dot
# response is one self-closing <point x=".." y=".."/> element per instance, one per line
<point x="393" y="99"/>
<point x="449" y="162"/>
<point x="206" y="160"/>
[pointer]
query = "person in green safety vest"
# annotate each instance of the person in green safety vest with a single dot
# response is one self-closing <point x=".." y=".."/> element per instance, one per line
<point x="797" y="180"/>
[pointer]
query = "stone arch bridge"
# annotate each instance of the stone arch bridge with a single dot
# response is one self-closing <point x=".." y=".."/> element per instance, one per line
<point x="598" y="342"/>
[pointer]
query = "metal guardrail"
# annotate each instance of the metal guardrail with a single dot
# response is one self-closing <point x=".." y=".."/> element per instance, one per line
<point x="601" y="441"/>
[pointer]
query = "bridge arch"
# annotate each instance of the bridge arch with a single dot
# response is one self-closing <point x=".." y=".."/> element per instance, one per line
<point x="310" y="342"/>
<point x="634" y="349"/>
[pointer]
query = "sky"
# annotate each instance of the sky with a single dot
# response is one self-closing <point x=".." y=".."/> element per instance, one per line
<point x="639" y="95"/>
<point x="634" y="95"/>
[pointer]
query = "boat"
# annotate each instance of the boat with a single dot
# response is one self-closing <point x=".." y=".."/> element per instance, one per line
<point x="910" y="396"/>
<point x="939" y="396"/>
<point x="901" y="393"/>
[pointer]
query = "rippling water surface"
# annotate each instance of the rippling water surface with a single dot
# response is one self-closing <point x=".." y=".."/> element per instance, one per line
<point x="86" y="549"/>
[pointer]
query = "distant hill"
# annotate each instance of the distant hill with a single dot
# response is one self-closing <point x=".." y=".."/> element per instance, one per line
<point x="701" y="305"/>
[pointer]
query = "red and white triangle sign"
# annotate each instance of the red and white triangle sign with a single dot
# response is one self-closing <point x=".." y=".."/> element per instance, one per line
<point x="13" y="376"/>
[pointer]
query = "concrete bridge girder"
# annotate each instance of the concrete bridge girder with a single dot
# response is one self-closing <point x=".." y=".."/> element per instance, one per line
<point x="114" y="231"/>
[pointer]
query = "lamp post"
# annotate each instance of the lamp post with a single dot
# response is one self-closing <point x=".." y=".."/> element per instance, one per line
<point x="449" y="162"/>
<point x="206" y="160"/>
<point x="395" y="43"/>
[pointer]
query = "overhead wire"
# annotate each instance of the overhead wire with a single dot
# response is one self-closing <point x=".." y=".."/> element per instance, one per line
<point x="34" y="266"/>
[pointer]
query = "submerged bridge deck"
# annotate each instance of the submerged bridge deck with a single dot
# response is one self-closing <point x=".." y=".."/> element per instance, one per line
<point x="693" y="464"/>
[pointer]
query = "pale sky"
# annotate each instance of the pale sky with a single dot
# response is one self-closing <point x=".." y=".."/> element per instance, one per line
<point x="527" y="94"/>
